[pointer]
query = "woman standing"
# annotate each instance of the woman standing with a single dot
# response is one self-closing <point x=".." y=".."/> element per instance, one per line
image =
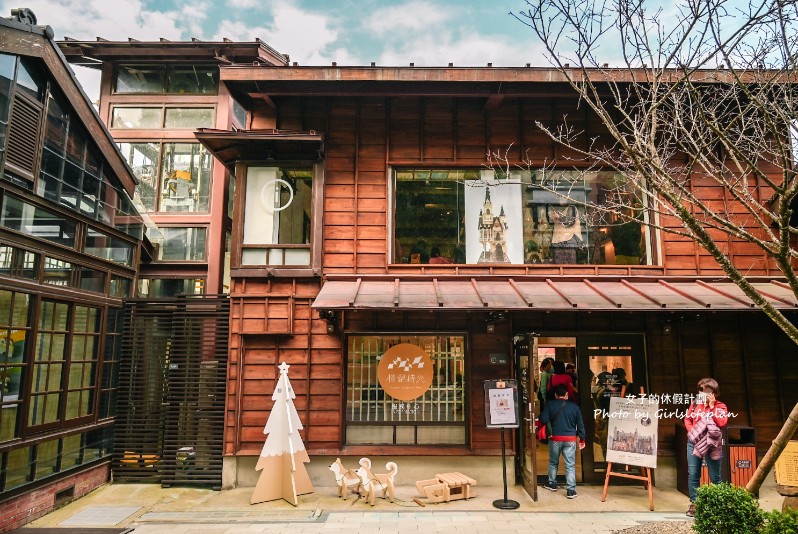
<point x="704" y="420"/>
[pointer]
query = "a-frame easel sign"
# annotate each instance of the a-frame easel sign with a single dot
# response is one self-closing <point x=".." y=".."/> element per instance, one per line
<point x="632" y="441"/>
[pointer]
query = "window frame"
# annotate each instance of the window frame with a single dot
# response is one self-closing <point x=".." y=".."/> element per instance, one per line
<point x="649" y="235"/>
<point x="466" y="399"/>
<point x="205" y="250"/>
<point x="158" y="182"/>
<point x="167" y="70"/>
<point x="163" y="112"/>
<point x="237" y="266"/>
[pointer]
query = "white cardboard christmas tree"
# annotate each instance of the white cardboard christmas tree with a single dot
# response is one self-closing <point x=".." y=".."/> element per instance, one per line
<point x="283" y="458"/>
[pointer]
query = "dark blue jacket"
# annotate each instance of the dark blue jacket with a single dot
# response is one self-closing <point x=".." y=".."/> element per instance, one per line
<point x="566" y="421"/>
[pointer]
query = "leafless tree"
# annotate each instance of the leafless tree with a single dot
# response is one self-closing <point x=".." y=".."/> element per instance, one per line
<point x="703" y="93"/>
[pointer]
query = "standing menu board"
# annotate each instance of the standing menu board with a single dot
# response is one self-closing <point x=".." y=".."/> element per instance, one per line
<point x="501" y="403"/>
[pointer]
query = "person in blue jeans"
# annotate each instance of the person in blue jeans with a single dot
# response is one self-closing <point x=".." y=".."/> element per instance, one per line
<point x="566" y="425"/>
<point x="706" y="406"/>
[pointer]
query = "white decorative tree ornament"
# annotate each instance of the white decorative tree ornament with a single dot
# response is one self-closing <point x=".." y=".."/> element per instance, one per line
<point x="283" y="458"/>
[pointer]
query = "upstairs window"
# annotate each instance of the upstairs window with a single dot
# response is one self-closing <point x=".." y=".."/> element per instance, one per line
<point x="169" y="79"/>
<point x="173" y="177"/>
<point x="533" y="217"/>
<point x="278" y="216"/>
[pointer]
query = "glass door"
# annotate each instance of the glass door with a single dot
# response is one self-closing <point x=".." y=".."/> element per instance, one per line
<point x="525" y="348"/>
<point x="613" y="366"/>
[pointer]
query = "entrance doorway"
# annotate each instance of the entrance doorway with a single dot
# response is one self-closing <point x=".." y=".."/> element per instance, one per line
<point x="603" y="366"/>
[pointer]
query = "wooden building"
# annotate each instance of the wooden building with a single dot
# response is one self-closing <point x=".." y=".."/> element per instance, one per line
<point x="365" y="217"/>
<point x="70" y="247"/>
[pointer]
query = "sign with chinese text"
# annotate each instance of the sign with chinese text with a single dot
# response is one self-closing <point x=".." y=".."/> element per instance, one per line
<point x="787" y="465"/>
<point x="501" y="403"/>
<point x="405" y="371"/>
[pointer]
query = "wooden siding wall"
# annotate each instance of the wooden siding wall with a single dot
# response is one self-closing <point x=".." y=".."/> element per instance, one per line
<point x="271" y="320"/>
<point x="314" y="356"/>
<point x="367" y="135"/>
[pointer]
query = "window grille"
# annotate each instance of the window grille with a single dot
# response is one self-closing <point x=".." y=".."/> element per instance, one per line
<point x="441" y="406"/>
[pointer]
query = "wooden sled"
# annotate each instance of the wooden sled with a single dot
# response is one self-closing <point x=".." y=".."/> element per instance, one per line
<point x="446" y="487"/>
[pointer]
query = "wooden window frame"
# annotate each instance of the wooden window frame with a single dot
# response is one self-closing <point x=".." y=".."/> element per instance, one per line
<point x="237" y="268"/>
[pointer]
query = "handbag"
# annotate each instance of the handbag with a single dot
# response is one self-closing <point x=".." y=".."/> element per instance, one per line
<point x="541" y="432"/>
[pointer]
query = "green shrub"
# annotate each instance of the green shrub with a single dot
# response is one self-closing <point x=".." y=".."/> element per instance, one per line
<point x="781" y="523"/>
<point x="726" y="509"/>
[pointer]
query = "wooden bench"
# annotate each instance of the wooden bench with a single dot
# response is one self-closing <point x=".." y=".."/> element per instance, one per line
<point x="446" y="487"/>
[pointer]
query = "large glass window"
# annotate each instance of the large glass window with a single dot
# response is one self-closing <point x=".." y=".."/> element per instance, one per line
<point x="189" y="118"/>
<point x="37" y="222"/>
<point x="278" y="216"/>
<point x="14" y="335"/>
<point x="406" y="389"/>
<point x="143" y="160"/>
<point x="82" y="371"/>
<point x="137" y="118"/>
<point x="172" y="176"/>
<point x="153" y="118"/>
<point x="109" y="382"/>
<point x="140" y="79"/>
<point x="18" y="263"/>
<point x="107" y="247"/>
<point x="50" y="351"/>
<point x="74" y="173"/>
<point x="182" y="244"/>
<point x="185" y="177"/>
<point x="547" y="217"/>
<point x="53" y="456"/>
<point x="173" y="79"/>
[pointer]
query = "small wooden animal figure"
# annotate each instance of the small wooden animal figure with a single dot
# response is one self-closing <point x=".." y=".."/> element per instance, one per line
<point x="372" y="483"/>
<point x="347" y="479"/>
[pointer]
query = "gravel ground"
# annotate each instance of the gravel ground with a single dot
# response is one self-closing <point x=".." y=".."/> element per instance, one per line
<point x="661" y="527"/>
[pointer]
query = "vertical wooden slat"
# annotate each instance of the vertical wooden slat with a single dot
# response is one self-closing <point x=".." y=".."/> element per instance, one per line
<point x="170" y="420"/>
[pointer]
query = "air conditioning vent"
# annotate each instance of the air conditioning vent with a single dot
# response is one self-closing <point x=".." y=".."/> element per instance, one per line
<point x="22" y="149"/>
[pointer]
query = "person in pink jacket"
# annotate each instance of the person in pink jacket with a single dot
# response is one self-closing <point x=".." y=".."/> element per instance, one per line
<point x="705" y="413"/>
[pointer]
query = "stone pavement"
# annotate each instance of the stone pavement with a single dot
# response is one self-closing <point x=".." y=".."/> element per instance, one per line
<point x="150" y="509"/>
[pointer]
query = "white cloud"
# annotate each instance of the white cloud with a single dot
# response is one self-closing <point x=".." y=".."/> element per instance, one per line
<point x="309" y="38"/>
<point x="244" y="4"/>
<point x="414" y="15"/>
<point x="117" y="20"/>
<point x="473" y="49"/>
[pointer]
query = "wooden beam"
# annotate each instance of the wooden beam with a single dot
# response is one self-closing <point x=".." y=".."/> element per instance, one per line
<point x="485" y="302"/>
<point x="600" y="293"/>
<point x="560" y="293"/>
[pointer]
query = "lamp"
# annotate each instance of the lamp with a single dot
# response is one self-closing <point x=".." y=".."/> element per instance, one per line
<point x="329" y="316"/>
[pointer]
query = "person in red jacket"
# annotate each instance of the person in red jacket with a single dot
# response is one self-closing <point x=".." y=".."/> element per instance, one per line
<point x="708" y="408"/>
<point x="561" y="377"/>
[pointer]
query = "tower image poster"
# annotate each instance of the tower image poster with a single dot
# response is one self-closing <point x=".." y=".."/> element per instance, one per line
<point x="493" y="223"/>
<point x="632" y="432"/>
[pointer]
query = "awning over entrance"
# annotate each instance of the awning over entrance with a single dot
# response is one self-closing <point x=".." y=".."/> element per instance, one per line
<point x="483" y="293"/>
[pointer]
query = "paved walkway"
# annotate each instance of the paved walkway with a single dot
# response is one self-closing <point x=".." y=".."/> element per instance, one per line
<point x="150" y="509"/>
<point x="432" y="521"/>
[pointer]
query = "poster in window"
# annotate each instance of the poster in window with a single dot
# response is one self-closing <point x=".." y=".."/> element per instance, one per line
<point x="493" y="222"/>
<point x="632" y="432"/>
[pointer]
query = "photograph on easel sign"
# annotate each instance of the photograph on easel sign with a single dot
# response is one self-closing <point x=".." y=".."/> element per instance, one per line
<point x="632" y="432"/>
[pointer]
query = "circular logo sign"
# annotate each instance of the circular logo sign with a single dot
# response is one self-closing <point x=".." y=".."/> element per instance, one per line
<point x="405" y="371"/>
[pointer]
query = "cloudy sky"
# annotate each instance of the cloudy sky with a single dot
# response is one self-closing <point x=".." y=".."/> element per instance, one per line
<point x="312" y="32"/>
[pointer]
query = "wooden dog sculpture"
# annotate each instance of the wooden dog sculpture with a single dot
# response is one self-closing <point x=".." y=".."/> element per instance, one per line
<point x="372" y="483"/>
<point x="348" y="480"/>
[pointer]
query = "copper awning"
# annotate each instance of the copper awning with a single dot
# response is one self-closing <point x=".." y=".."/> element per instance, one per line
<point x="230" y="146"/>
<point x="561" y="293"/>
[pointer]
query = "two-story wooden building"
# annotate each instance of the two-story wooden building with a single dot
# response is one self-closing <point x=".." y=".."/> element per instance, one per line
<point x="366" y="217"/>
